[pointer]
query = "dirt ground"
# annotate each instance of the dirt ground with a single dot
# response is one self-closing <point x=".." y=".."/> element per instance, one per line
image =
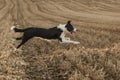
<point x="97" y="57"/>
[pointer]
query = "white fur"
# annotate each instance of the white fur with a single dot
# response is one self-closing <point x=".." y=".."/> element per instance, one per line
<point x="67" y="40"/>
<point x="15" y="49"/>
<point x="62" y="27"/>
<point x="64" y="40"/>
<point x="12" y="28"/>
<point x="45" y="39"/>
<point x="62" y="35"/>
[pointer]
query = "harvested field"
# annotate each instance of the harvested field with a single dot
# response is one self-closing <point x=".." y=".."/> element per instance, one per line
<point x="96" y="58"/>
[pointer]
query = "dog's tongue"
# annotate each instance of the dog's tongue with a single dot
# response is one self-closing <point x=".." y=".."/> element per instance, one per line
<point x="72" y="32"/>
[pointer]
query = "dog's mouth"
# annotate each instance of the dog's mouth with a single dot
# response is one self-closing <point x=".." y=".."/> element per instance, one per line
<point x="73" y="32"/>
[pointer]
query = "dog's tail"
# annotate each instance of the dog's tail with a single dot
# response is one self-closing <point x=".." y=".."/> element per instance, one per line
<point x="17" y="30"/>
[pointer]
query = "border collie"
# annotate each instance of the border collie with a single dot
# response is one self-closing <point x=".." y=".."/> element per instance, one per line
<point x="57" y="32"/>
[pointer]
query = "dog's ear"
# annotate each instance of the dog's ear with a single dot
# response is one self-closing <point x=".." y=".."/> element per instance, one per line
<point x="69" y="22"/>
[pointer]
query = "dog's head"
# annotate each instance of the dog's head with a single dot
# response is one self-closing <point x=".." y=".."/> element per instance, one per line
<point x="70" y="28"/>
<point x="67" y="27"/>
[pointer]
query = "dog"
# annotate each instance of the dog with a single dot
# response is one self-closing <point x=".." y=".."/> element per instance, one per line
<point x="57" y="32"/>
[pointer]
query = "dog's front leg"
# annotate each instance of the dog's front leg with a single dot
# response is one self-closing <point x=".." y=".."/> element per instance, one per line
<point x="75" y="42"/>
<point x="67" y="38"/>
<point x="64" y="40"/>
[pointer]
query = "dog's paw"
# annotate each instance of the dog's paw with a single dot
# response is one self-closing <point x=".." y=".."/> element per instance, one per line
<point x="16" y="50"/>
<point x="76" y="42"/>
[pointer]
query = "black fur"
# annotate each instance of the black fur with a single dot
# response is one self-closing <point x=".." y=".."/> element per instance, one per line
<point x="69" y="27"/>
<point x="52" y="33"/>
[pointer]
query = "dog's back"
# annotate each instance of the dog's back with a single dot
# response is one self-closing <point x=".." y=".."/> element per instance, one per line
<point x="51" y="33"/>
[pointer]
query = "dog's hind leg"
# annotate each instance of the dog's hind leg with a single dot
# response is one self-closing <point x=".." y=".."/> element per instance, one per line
<point x="24" y="40"/>
<point x="20" y="38"/>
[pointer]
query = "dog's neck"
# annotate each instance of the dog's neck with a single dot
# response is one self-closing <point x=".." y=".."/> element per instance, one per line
<point x="62" y="27"/>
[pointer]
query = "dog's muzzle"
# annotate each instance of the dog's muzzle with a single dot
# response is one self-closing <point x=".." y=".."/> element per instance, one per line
<point x="75" y="30"/>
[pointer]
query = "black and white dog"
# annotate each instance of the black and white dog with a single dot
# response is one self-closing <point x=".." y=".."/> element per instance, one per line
<point x="57" y="32"/>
